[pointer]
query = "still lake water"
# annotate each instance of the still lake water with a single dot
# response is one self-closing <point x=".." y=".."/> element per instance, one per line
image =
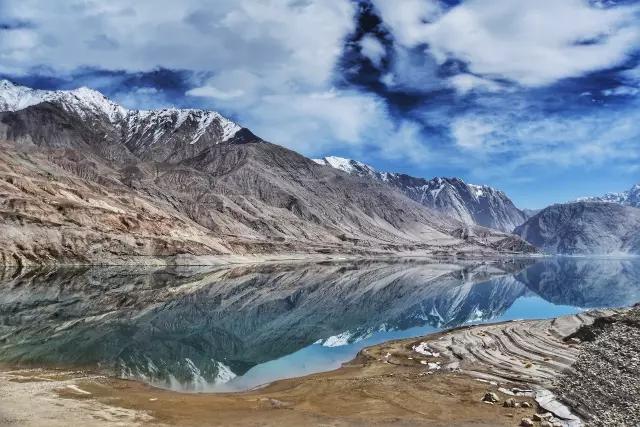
<point x="229" y="329"/>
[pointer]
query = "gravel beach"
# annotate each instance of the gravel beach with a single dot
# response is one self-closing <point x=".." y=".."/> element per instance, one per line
<point x="603" y="385"/>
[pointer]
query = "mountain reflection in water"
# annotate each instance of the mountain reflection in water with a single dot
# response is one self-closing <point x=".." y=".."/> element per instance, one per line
<point x="225" y="329"/>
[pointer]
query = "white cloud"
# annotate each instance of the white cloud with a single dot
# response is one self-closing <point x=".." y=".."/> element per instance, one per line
<point x="269" y="37"/>
<point x="214" y="92"/>
<point x="320" y="123"/>
<point x="406" y="142"/>
<point x="531" y="42"/>
<point x="372" y="49"/>
<point x="271" y="63"/>
<point x="406" y="20"/>
<point x="503" y="141"/>
<point x="465" y="83"/>
<point x="621" y="91"/>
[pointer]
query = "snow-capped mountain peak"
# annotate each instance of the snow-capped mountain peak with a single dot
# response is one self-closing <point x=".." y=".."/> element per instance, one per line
<point x="159" y="123"/>
<point x="82" y="100"/>
<point x="154" y="125"/>
<point x="469" y="203"/>
<point x="630" y="197"/>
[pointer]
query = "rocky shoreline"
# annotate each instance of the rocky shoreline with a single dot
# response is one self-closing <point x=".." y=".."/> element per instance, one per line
<point x="602" y="386"/>
<point x="498" y="374"/>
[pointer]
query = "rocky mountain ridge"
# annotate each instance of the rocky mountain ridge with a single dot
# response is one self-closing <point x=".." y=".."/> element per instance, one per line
<point x="583" y="228"/>
<point x="468" y="203"/>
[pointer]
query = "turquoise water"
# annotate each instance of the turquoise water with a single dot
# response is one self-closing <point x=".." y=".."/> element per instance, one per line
<point x="229" y="329"/>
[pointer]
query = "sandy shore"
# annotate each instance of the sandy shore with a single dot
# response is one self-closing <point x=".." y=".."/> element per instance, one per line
<point x="438" y="380"/>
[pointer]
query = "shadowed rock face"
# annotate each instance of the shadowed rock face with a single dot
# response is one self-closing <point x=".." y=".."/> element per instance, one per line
<point x="84" y="180"/>
<point x="471" y="204"/>
<point x="584" y="228"/>
<point x="183" y="323"/>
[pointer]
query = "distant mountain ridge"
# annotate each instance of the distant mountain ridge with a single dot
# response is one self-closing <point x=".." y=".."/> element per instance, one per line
<point x="584" y="228"/>
<point x="603" y="225"/>
<point x="468" y="203"/>
<point x="630" y="197"/>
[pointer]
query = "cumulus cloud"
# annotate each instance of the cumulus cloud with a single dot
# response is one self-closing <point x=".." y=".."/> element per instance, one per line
<point x="465" y="83"/>
<point x="270" y="36"/>
<point x="622" y="91"/>
<point x="532" y="42"/>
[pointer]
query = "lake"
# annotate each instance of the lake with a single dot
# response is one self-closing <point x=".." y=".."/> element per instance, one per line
<point x="219" y="329"/>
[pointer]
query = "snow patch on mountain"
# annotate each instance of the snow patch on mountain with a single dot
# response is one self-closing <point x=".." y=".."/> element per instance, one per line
<point x="350" y="166"/>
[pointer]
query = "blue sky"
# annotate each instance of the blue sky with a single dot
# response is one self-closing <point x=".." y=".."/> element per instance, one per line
<point x="539" y="98"/>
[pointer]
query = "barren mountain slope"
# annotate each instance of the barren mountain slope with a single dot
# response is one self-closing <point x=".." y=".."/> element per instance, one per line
<point x="100" y="186"/>
<point x="468" y="203"/>
<point x="584" y="228"/>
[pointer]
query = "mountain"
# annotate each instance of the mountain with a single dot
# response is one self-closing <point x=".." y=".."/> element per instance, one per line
<point x="85" y="180"/>
<point x="584" y="228"/>
<point x="630" y="197"/>
<point x="468" y="203"/>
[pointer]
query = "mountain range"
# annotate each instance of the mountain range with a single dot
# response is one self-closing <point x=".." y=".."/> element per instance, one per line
<point x="84" y="180"/>
<point x="468" y="203"/>
<point x="583" y="228"/>
<point x="606" y="225"/>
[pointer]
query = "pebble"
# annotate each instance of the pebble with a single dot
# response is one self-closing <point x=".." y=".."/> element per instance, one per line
<point x="509" y="403"/>
<point x="526" y="422"/>
<point x="542" y="417"/>
<point x="611" y="395"/>
<point x="490" y="397"/>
